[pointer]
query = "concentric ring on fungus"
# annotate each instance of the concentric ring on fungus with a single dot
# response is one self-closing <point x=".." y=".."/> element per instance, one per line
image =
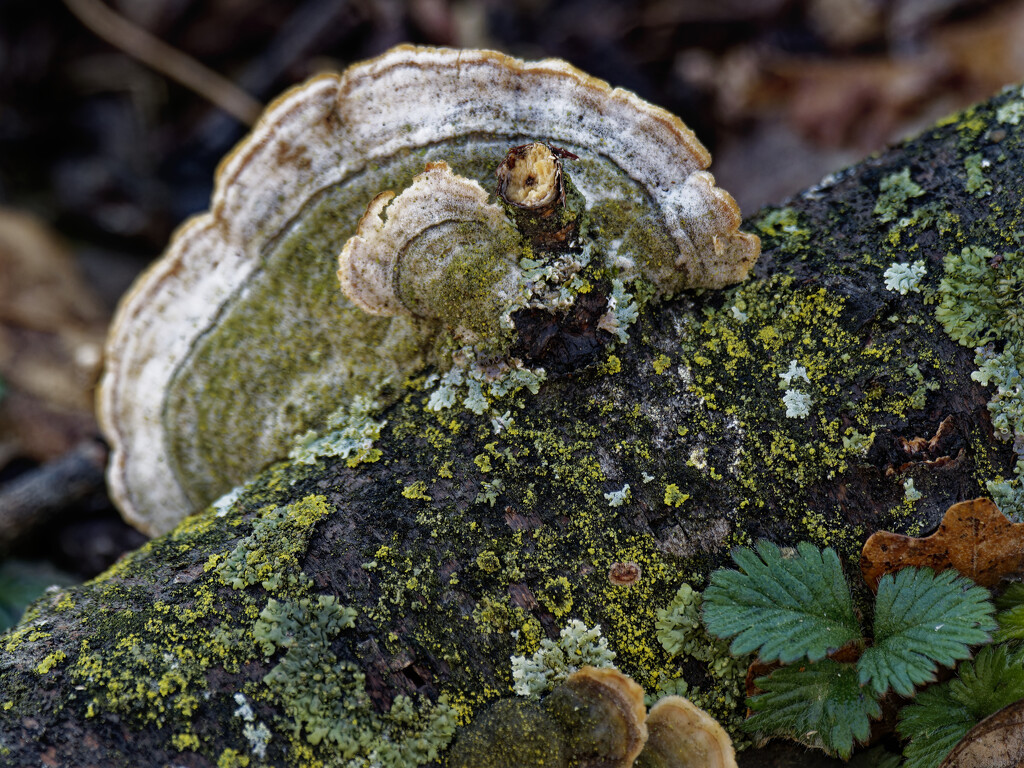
<point x="237" y="340"/>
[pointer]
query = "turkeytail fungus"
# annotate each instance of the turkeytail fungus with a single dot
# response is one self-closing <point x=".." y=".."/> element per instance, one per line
<point x="237" y="342"/>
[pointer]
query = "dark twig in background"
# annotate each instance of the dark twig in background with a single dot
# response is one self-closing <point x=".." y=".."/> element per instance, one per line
<point x="138" y="43"/>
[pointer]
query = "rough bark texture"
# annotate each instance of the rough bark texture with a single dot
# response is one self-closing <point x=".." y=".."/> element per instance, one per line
<point x="461" y="545"/>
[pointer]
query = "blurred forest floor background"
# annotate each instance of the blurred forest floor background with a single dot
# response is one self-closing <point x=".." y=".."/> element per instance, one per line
<point x="102" y="156"/>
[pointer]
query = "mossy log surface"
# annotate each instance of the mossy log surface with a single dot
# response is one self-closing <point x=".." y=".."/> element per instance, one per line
<point x="462" y="540"/>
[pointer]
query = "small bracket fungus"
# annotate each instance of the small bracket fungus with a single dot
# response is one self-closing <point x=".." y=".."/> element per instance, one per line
<point x="604" y="714"/>
<point x="437" y="251"/>
<point x="238" y="341"/>
<point x="681" y="735"/>
<point x="596" y="718"/>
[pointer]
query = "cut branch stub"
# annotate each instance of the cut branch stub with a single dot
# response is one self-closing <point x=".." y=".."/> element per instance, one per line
<point x="530" y="177"/>
<point x="237" y="341"/>
<point x="974" y="537"/>
<point x="541" y="199"/>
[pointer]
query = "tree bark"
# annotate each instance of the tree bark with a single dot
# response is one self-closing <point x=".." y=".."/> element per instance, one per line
<point x="468" y="541"/>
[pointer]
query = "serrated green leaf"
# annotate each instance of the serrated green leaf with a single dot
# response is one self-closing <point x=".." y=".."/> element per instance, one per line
<point x="942" y="715"/>
<point x="876" y="757"/>
<point x="934" y="723"/>
<point x="923" y="619"/>
<point x="1011" y="624"/>
<point x="1011" y="598"/>
<point x="1010" y="618"/>
<point x="993" y="680"/>
<point x="783" y="608"/>
<point x="821" y="705"/>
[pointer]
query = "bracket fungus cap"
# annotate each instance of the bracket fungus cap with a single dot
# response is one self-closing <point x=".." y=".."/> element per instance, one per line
<point x="414" y="253"/>
<point x="603" y="712"/>
<point x="237" y="340"/>
<point x="681" y="735"/>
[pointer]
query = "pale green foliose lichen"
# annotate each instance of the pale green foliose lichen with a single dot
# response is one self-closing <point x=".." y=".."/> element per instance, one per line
<point x="910" y="493"/>
<point x="479" y="385"/>
<point x="255" y="732"/>
<point x="489" y="491"/>
<point x="349" y="434"/>
<point x="980" y="296"/>
<point x="269" y="556"/>
<point x="337" y="710"/>
<point x="578" y="646"/>
<point x="904" y="277"/>
<point x="856" y="443"/>
<point x="798" y="404"/>
<point x="977" y="182"/>
<point x="619" y="497"/>
<point x="682" y="634"/>
<point x="795" y="372"/>
<point x="622" y="312"/>
<point x="680" y="631"/>
<point x="1012" y="112"/>
<point x="224" y="504"/>
<point x="502" y="422"/>
<point x="1003" y="371"/>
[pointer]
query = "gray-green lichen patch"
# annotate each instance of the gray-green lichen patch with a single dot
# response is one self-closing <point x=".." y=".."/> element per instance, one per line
<point x="337" y="711"/>
<point x="980" y="307"/>
<point x="977" y="182"/>
<point x="168" y="655"/>
<point x="552" y="663"/>
<point x="904" y="278"/>
<point x="348" y="434"/>
<point x="1012" y="111"/>
<point x="894" y="193"/>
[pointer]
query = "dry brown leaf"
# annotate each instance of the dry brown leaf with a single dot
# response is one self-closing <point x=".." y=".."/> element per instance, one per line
<point x="985" y="51"/>
<point x="995" y="742"/>
<point x="51" y="336"/>
<point x="974" y="537"/>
